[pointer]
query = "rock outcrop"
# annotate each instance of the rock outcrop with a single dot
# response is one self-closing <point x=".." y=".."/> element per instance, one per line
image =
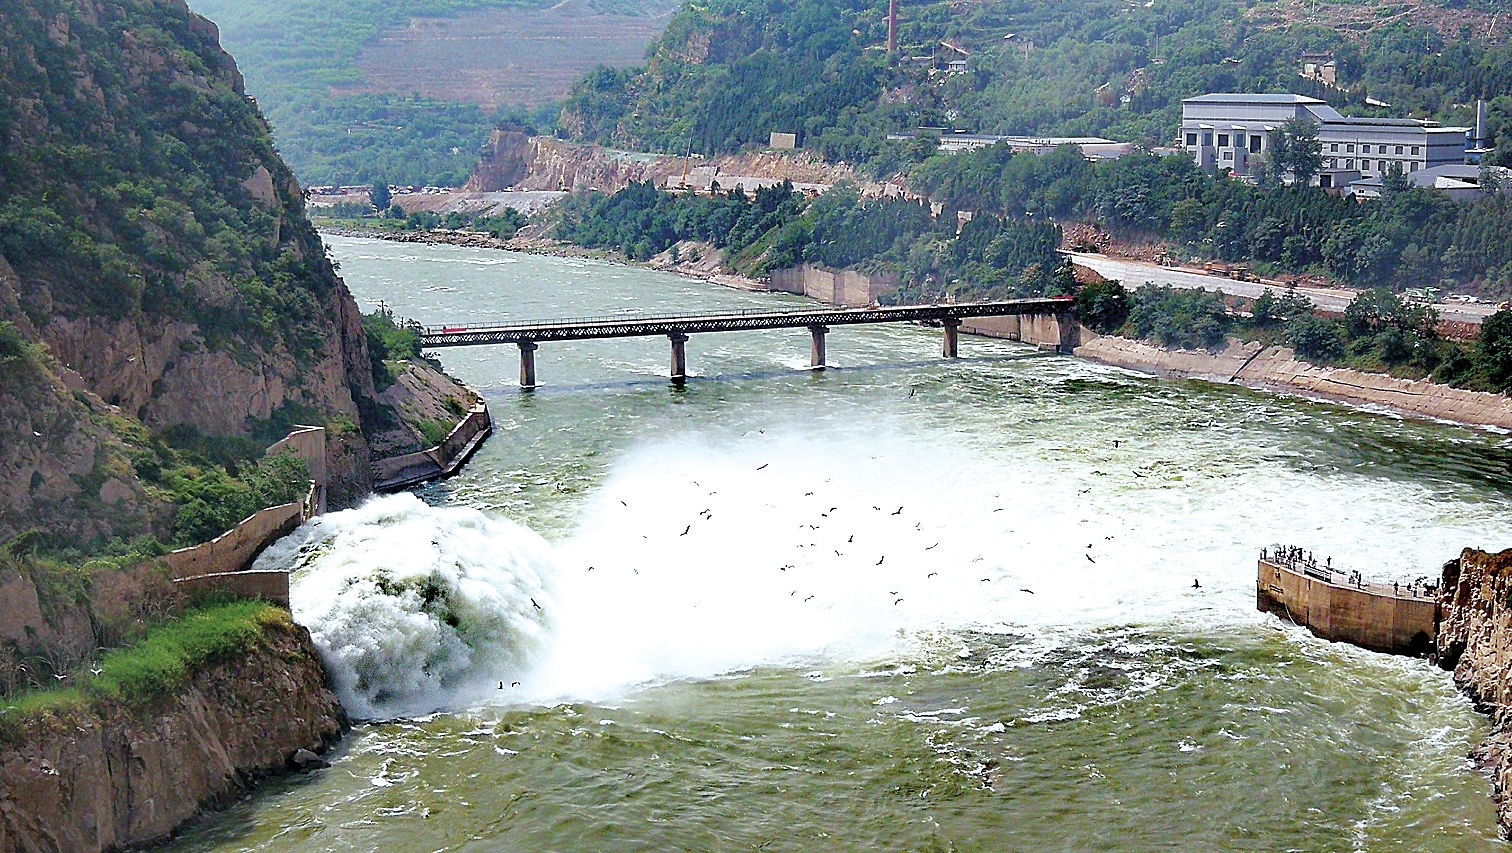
<point x="115" y="777"/>
<point x="1475" y="643"/>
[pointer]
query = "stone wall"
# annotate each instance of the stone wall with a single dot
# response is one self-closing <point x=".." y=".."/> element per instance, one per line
<point x="1374" y="617"/>
<point x="218" y="566"/>
<point x="837" y="287"/>
<point x="1057" y="332"/>
<point x="1277" y="369"/>
<point x="443" y="460"/>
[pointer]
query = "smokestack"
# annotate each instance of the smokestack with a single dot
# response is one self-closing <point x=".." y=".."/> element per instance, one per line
<point x="1480" y="123"/>
<point x="892" y="26"/>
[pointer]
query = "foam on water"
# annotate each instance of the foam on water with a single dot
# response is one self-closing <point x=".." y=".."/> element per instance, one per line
<point x="696" y="558"/>
<point x="416" y="608"/>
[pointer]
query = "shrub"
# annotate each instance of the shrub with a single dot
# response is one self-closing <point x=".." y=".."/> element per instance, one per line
<point x="1191" y="319"/>
<point x="1103" y="306"/>
<point x="1315" y="338"/>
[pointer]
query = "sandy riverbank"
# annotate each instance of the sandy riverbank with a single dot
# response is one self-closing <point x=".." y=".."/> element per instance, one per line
<point x="1277" y="369"/>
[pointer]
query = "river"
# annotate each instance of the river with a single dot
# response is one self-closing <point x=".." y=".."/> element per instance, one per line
<point x="901" y="604"/>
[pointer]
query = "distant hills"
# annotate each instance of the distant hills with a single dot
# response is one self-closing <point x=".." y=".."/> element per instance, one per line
<point x="407" y="91"/>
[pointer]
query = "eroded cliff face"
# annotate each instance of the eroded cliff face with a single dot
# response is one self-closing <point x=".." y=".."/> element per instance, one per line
<point x="154" y="251"/>
<point x="115" y="777"/>
<point x="1475" y="643"/>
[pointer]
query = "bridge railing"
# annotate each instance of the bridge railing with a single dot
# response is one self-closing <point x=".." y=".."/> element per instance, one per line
<point x="631" y="317"/>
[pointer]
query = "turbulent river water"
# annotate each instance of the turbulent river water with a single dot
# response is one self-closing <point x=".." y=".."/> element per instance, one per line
<point x="902" y="604"/>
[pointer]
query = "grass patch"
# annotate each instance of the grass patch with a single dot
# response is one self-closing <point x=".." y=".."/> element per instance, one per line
<point x="434" y="432"/>
<point x="163" y="662"/>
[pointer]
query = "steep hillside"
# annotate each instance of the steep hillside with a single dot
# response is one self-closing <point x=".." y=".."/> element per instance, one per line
<point x="729" y="72"/>
<point x="160" y="287"/>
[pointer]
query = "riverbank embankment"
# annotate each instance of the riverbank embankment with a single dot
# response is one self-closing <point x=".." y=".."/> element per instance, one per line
<point x="1277" y="369"/>
<point x="109" y="775"/>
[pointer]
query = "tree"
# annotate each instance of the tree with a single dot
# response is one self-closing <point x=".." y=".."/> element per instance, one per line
<point x="380" y="196"/>
<point x="1494" y="352"/>
<point x="1295" y="151"/>
<point x="1315" y="338"/>
<point x="1103" y="306"/>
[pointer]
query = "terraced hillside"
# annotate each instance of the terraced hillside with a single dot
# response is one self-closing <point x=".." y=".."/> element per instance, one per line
<point x="407" y="91"/>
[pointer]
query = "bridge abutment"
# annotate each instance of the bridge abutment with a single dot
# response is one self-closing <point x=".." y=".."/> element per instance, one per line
<point x="816" y="358"/>
<point x="679" y="357"/>
<point x="527" y="365"/>
<point x="952" y="343"/>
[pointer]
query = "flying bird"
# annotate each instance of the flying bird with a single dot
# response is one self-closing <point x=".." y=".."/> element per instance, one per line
<point x="1089" y="558"/>
<point x="685" y="530"/>
<point x="880" y="559"/>
<point x="1030" y="591"/>
<point x="763" y="467"/>
<point x="899" y="512"/>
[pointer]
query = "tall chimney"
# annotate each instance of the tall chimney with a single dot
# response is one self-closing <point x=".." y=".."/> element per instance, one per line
<point x="1480" y="123"/>
<point x="892" y="26"/>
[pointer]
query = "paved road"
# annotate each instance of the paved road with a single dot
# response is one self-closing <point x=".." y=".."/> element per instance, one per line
<point x="1139" y="273"/>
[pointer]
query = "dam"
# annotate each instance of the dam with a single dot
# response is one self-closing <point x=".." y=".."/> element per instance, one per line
<point x="1343" y="607"/>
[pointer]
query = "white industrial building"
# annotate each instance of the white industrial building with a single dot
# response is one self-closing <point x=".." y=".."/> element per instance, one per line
<point x="1232" y="131"/>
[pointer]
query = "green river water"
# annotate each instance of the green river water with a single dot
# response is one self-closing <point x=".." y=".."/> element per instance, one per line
<point x="902" y="604"/>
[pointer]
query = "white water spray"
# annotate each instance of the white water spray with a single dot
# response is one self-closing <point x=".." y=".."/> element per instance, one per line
<point x="693" y="561"/>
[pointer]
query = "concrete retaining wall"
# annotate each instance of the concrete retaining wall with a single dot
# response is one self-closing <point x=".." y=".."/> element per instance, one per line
<point x="1373" y="617"/>
<point x="837" y="287"/>
<point x="1058" y="332"/>
<point x="1277" y="369"/>
<point x="443" y="460"/>
<point x="220" y="565"/>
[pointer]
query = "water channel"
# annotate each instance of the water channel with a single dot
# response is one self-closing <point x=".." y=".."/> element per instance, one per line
<point x="902" y="604"/>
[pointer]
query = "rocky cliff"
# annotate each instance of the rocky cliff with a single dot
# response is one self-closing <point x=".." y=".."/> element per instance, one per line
<point x="1475" y="643"/>
<point x="156" y="265"/>
<point x="114" y="777"/>
<point x="517" y="161"/>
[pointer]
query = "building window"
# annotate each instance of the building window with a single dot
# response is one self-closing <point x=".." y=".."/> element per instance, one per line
<point x="1228" y="155"/>
<point x="1333" y="146"/>
<point x="1414" y="150"/>
<point x="1191" y="140"/>
<point x="1414" y="166"/>
<point x="1256" y="142"/>
<point x="1207" y="138"/>
<point x="1349" y="164"/>
<point x="1349" y="148"/>
<point x="1223" y="139"/>
<point x="1399" y="149"/>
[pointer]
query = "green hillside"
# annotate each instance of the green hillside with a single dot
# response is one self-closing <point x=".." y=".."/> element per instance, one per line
<point x="294" y="53"/>
<point x="728" y="72"/>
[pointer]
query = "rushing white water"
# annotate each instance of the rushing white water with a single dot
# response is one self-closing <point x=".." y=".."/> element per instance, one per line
<point x="702" y="557"/>
<point x="415" y="608"/>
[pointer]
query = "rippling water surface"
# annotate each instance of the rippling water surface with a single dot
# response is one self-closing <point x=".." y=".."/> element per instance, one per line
<point x="902" y="604"/>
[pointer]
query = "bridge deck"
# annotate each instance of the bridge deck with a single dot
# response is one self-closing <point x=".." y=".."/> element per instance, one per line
<point x="642" y="326"/>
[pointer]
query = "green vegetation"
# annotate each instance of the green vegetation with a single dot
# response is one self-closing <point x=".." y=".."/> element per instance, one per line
<point x="728" y="72"/>
<point x="165" y="660"/>
<point x="1410" y="237"/>
<point x="775" y="229"/>
<point x="1379" y="332"/>
<point x="389" y="341"/>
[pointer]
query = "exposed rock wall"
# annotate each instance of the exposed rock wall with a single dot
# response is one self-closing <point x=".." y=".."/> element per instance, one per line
<point x="837" y="287"/>
<point x="1277" y="369"/>
<point x="110" y="778"/>
<point x="515" y="161"/>
<point x="1475" y="643"/>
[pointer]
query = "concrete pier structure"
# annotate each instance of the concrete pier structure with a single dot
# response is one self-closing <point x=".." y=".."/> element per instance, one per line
<point x="527" y="365"/>
<point x="679" y="357"/>
<point x="952" y="342"/>
<point x="1340" y="607"/>
<point x="816" y="357"/>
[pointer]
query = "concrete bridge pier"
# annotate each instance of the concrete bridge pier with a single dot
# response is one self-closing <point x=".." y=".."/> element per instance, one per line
<point x="952" y="326"/>
<point x="817" y="352"/>
<point x="527" y="365"/>
<point x="679" y="357"/>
